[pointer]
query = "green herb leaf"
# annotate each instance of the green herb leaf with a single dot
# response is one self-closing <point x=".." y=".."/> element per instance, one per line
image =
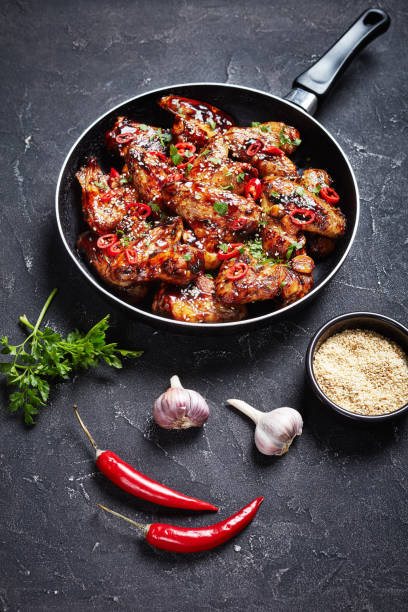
<point x="215" y="160"/>
<point x="155" y="207"/>
<point x="206" y="152"/>
<point x="212" y="124"/>
<point x="300" y="191"/>
<point x="255" y="123"/>
<point x="45" y="356"/>
<point x="221" y="208"/>
<point x="275" y="194"/>
<point x="100" y="185"/>
<point x="164" y="137"/>
<point x="229" y="187"/>
<point x="283" y="139"/>
<point x="223" y="246"/>
<point x="176" y="158"/>
<point x="293" y="246"/>
<point x="187" y="256"/>
<point x="315" y="190"/>
<point x="240" y="177"/>
<point x="143" y="127"/>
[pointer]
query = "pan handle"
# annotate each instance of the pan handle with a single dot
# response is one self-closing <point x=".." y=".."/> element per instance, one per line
<point x="313" y="84"/>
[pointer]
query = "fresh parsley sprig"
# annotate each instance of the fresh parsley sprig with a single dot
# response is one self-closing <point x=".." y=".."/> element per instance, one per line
<point x="45" y="356"/>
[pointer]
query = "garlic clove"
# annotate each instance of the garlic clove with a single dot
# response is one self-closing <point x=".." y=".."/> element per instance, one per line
<point x="275" y="430"/>
<point x="180" y="408"/>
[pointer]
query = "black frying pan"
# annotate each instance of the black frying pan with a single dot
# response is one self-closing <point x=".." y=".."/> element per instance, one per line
<point x="245" y="105"/>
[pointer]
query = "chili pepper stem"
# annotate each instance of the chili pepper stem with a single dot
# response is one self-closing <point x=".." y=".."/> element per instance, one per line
<point x="175" y="382"/>
<point x="246" y="409"/>
<point x="92" y="441"/>
<point x="142" y="526"/>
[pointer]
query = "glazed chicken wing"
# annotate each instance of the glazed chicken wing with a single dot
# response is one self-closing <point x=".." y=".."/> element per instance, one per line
<point x="104" y="198"/>
<point x="126" y="134"/>
<point x="153" y="254"/>
<point x="223" y="173"/>
<point x="196" y="303"/>
<point x="314" y="179"/>
<point x="263" y="281"/>
<point x="211" y="212"/>
<point x="281" y="197"/>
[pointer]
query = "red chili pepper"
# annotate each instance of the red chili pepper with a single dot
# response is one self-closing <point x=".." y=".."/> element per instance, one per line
<point x="114" y="173"/>
<point x="127" y="478"/>
<point x="107" y="240"/>
<point x="237" y="271"/>
<point x="189" y="161"/>
<point x="253" y="188"/>
<point x="233" y="251"/>
<point x="194" y="539"/>
<point x="239" y="224"/>
<point x="182" y="147"/>
<point x="173" y="178"/>
<point x="254" y="148"/>
<point x="131" y="255"/>
<point x="115" y="249"/>
<point x="305" y="212"/>
<point x="125" y="137"/>
<point x="143" y="210"/>
<point x="106" y="197"/>
<point x="159" y="154"/>
<point x="273" y="151"/>
<point x="328" y="194"/>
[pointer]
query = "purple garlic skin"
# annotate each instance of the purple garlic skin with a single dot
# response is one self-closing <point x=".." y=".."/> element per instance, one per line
<point x="180" y="408"/>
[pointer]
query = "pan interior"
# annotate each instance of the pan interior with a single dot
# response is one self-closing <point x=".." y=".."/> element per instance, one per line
<point x="317" y="150"/>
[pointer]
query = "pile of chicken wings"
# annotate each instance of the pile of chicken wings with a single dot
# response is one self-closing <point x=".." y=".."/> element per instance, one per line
<point x="207" y="217"/>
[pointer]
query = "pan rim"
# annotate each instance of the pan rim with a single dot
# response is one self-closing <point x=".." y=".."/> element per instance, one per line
<point x="186" y="324"/>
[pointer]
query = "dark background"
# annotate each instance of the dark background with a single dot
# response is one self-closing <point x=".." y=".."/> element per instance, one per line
<point x="332" y="532"/>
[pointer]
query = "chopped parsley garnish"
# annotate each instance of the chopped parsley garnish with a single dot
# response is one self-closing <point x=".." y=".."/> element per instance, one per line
<point x="155" y="207"/>
<point x="316" y="190"/>
<point x="187" y="256"/>
<point x="176" y="158"/>
<point x="255" y="124"/>
<point x="230" y="187"/>
<point x="206" y="152"/>
<point x="100" y="185"/>
<point x="240" y="177"/>
<point x="283" y="139"/>
<point x="262" y="223"/>
<point x="212" y="124"/>
<point x="265" y="128"/>
<point x="275" y="194"/>
<point x="283" y="283"/>
<point x="164" y="137"/>
<point x="300" y="191"/>
<point x="143" y="127"/>
<point x="120" y="233"/>
<point x="124" y="180"/>
<point x="255" y="247"/>
<point x="223" y="246"/>
<point x="188" y="168"/>
<point x="221" y="208"/>
<point x="293" y="246"/>
<point x="208" y="275"/>
<point x="215" y="160"/>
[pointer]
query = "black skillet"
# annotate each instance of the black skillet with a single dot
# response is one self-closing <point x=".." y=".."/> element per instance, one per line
<point x="319" y="149"/>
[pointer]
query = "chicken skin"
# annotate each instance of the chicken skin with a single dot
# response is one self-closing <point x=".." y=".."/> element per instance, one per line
<point x="264" y="281"/>
<point x="196" y="303"/>
<point x="211" y="212"/>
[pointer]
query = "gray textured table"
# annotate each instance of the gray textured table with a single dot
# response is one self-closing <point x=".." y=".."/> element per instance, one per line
<point x="332" y="532"/>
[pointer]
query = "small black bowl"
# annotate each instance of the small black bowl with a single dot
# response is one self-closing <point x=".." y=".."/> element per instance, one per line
<point x="351" y="320"/>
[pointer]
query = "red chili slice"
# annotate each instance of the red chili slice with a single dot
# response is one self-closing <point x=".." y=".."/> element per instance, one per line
<point x="182" y="147"/>
<point x="173" y="177"/>
<point x="253" y="188"/>
<point x="254" y="148"/>
<point x="125" y="137"/>
<point x="115" y="249"/>
<point x="143" y="210"/>
<point x="273" y="151"/>
<point x="189" y="161"/>
<point x="159" y="154"/>
<point x="305" y="212"/>
<point x="237" y="271"/>
<point x="114" y="173"/>
<point x="239" y="224"/>
<point x="331" y="196"/>
<point x="107" y="240"/>
<point x="131" y="255"/>
<point x="106" y="197"/>
<point x="231" y="252"/>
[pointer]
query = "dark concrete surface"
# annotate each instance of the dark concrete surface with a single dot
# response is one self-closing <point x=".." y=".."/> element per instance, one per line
<point x="332" y="532"/>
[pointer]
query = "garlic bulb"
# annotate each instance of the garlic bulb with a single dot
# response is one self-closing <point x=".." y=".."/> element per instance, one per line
<point x="275" y="430"/>
<point x="180" y="408"/>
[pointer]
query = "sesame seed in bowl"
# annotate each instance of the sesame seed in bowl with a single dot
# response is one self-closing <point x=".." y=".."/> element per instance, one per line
<point x="358" y="365"/>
